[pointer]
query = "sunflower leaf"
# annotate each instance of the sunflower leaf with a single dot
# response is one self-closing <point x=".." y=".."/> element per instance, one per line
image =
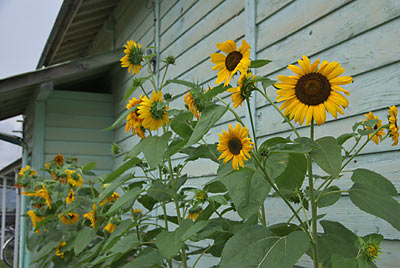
<point x="371" y="123"/>
<point x="128" y="196"/>
<point x="258" y="63"/>
<point x="182" y="82"/>
<point x="214" y="92"/>
<point x="207" y="120"/>
<point x="153" y="148"/>
<point x="327" y="154"/>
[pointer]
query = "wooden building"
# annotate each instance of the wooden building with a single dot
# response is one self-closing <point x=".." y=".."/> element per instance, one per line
<point x="68" y="103"/>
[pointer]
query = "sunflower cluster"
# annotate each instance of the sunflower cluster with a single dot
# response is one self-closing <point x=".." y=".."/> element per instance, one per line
<point x="42" y="193"/>
<point x="25" y="175"/>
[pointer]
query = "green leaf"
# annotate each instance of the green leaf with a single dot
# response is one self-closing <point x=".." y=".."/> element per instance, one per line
<point x="147" y="201"/>
<point x="148" y="258"/>
<point x="46" y="249"/>
<point x="219" y="199"/>
<point x="83" y="238"/>
<point x="182" y="82"/>
<point x="175" y="146"/>
<point x="329" y="244"/>
<point x="167" y="244"/>
<point x="344" y="137"/>
<point x="327" y="154"/>
<point x="338" y="261"/>
<point x="187" y="229"/>
<point x="153" y="148"/>
<point x="267" y="83"/>
<point x="180" y="124"/>
<point x="336" y="228"/>
<point x="120" y="230"/>
<point x="283" y="229"/>
<point x="125" y="244"/>
<point x="365" y="262"/>
<point x="215" y="186"/>
<point x="159" y="191"/>
<point x="125" y="198"/>
<point x="121" y="117"/>
<point x="294" y="174"/>
<point x="121" y="170"/>
<point x="255" y="246"/>
<point x="208" y="151"/>
<point x="89" y="166"/>
<point x="373" y="193"/>
<point x="214" y="92"/>
<point x="291" y="148"/>
<point x="258" y="63"/>
<point x="330" y="198"/>
<point x="207" y="120"/>
<point x="365" y="132"/>
<point x="276" y="164"/>
<point x="248" y="189"/>
<point x="371" y="123"/>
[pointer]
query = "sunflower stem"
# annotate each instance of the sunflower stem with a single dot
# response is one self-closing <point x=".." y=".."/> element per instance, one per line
<point x="231" y="110"/>
<point x="279" y="111"/>
<point x="314" y="243"/>
<point x="162" y="81"/>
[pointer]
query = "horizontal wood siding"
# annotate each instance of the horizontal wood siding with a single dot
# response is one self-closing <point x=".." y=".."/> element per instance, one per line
<point x="75" y="127"/>
<point x="362" y="35"/>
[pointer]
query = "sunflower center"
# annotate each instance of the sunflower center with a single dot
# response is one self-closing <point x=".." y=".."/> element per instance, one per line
<point x="235" y="146"/>
<point x="136" y="56"/>
<point x="232" y="60"/>
<point x="157" y="110"/>
<point x="313" y="89"/>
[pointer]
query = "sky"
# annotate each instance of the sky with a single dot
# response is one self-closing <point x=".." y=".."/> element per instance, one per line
<point x="24" y="28"/>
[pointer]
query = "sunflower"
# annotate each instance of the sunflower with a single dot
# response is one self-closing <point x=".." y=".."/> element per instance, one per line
<point x="133" y="122"/>
<point x="58" y="249"/>
<point x="35" y="219"/>
<point x="73" y="178"/>
<point x="26" y="171"/>
<point x="191" y="103"/>
<point x="43" y="193"/>
<point x="236" y="60"/>
<point x="112" y="198"/>
<point x="58" y="160"/>
<point x="69" y="218"/>
<point x="70" y="197"/>
<point x="91" y="215"/>
<point x="110" y="227"/>
<point x="133" y="57"/>
<point x="153" y="111"/>
<point x="243" y="91"/>
<point x="378" y="136"/>
<point x="313" y="90"/>
<point x="235" y="145"/>
<point x="393" y="126"/>
<point x="194" y="213"/>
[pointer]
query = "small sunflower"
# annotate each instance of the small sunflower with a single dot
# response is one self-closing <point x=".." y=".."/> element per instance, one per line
<point x="236" y="60"/>
<point x="235" y="145"/>
<point x="153" y="111"/>
<point x="393" y="125"/>
<point x="313" y="91"/>
<point x="35" y="219"/>
<point x="378" y="136"/>
<point x="58" y="249"/>
<point x="91" y="215"/>
<point x="194" y="213"/>
<point x="110" y="227"/>
<point x="70" y="197"/>
<point x="112" y="198"/>
<point x="190" y="102"/>
<point x="58" y="160"/>
<point x="69" y="218"/>
<point x="26" y="171"/>
<point x="133" y="57"/>
<point x="73" y="178"/>
<point x="133" y="122"/>
<point x="243" y="91"/>
<point x="43" y="193"/>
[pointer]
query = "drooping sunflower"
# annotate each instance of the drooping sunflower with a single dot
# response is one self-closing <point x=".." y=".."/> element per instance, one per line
<point x="313" y="91"/>
<point x="236" y="60"/>
<point x="69" y="218"/>
<point x="190" y="102"/>
<point x="243" y="90"/>
<point x="110" y="227"/>
<point x="35" y="219"/>
<point x="91" y="215"/>
<point x="235" y="145"/>
<point x="393" y="125"/>
<point x="133" y="57"/>
<point x="133" y="122"/>
<point x="112" y="198"/>
<point x="73" y="178"/>
<point x="59" y="160"/>
<point x="153" y="111"/>
<point x="194" y="213"/>
<point x="70" y="197"/>
<point x="378" y="136"/>
<point x="58" y="249"/>
<point x="43" y="193"/>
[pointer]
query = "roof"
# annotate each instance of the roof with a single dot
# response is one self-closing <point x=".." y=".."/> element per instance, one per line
<point x="85" y="74"/>
<point x="75" y="28"/>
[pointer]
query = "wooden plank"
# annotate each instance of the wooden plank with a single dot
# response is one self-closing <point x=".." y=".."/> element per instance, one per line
<point x="77" y="107"/>
<point x="105" y="162"/>
<point x="75" y="147"/>
<point x="337" y="27"/>
<point x="176" y="11"/>
<point x="267" y="8"/>
<point x="78" y="134"/>
<point x="78" y="121"/>
<point x="89" y="96"/>
<point x="286" y="22"/>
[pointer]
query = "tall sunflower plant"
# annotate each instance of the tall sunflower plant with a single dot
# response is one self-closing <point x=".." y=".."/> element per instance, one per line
<point x="160" y="219"/>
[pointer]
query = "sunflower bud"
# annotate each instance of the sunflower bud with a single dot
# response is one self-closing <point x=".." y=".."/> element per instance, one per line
<point x="170" y="60"/>
<point x="115" y="149"/>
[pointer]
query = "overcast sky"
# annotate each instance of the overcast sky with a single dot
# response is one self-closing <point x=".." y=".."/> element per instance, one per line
<point x="24" y="28"/>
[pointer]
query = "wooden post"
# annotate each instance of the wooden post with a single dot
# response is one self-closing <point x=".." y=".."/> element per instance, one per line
<point x="17" y="221"/>
<point x="3" y="215"/>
